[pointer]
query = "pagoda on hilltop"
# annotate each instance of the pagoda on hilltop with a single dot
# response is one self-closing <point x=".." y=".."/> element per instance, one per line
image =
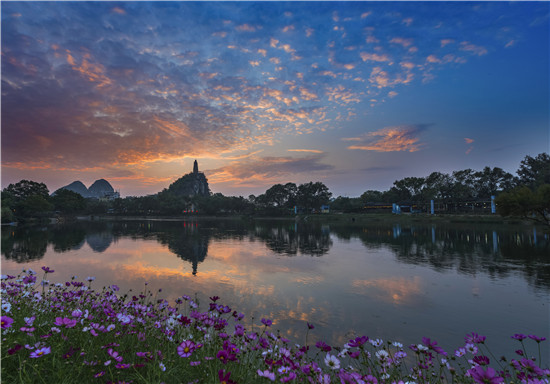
<point x="191" y="184"/>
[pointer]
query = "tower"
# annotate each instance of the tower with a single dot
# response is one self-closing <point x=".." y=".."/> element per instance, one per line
<point x="195" y="167"/>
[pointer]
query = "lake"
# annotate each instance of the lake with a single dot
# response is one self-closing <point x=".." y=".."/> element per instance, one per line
<point x="397" y="282"/>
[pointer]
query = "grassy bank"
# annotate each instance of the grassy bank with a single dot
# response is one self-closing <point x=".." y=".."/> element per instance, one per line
<point x="69" y="332"/>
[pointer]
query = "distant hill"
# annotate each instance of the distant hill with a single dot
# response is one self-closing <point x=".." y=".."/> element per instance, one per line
<point x="99" y="189"/>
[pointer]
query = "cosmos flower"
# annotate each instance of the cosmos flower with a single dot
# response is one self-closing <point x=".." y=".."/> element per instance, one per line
<point x="6" y="322"/>
<point x="332" y="362"/>
<point x="40" y="352"/>
<point x="483" y="376"/>
<point x="186" y="348"/>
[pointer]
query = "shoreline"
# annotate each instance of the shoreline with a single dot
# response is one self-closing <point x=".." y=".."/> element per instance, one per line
<point x="335" y="218"/>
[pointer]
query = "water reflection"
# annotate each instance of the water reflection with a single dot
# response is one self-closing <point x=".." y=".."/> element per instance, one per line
<point x="467" y="249"/>
<point x="398" y="281"/>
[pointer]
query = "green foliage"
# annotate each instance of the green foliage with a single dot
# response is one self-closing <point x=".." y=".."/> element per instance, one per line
<point x="26" y="188"/>
<point x="534" y="171"/>
<point x="67" y="201"/>
<point x="313" y="195"/>
<point x="26" y="199"/>
<point x="526" y="203"/>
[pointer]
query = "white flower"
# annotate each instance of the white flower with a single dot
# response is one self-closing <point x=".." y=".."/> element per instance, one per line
<point x="90" y="278"/>
<point x="471" y="348"/>
<point x="162" y="367"/>
<point x="421" y="347"/>
<point x="377" y="342"/>
<point x="110" y="327"/>
<point x="283" y="369"/>
<point x="6" y="307"/>
<point x="332" y="361"/>
<point x="382" y="354"/>
<point x="397" y="344"/>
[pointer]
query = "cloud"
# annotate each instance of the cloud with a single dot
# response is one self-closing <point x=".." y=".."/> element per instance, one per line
<point x="390" y="139"/>
<point x="405" y="43"/>
<point x="267" y="170"/>
<point x="365" y="56"/>
<point x="305" y="150"/>
<point x="469" y="141"/>
<point x="472" y="48"/>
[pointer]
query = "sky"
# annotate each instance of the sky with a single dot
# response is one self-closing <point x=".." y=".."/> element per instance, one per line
<point x="355" y="94"/>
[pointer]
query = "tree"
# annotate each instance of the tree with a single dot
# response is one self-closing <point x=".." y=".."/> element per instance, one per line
<point x="313" y="195"/>
<point x="438" y="186"/>
<point x="26" y="188"/>
<point x="409" y="187"/>
<point x="372" y="196"/>
<point x="27" y="199"/>
<point x="464" y="186"/>
<point x="526" y="203"/>
<point x="534" y="171"/>
<point x="67" y="201"/>
<point x="491" y="181"/>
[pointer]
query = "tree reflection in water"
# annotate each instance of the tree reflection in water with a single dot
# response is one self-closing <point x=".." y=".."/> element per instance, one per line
<point x="468" y="249"/>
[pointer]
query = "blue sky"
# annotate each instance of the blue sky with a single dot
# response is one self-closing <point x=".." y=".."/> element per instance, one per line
<point x="353" y="94"/>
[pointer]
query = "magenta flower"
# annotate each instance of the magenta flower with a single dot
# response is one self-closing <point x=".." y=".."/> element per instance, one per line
<point x="358" y="341"/>
<point x="323" y="346"/>
<point x="186" y="348"/>
<point x="266" y="322"/>
<point x="481" y="360"/>
<point x="68" y="323"/>
<point x="47" y="270"/>
<point x="519" y="336"/>
<point x="482" y="376"/>
<point x="40" y="352"/>
<point x="225" y="377"/>
<point x="114" y="354"/>
<point x="6" y="322"/>
<point x="474" y="338"/>
<point x="537" y="338"/>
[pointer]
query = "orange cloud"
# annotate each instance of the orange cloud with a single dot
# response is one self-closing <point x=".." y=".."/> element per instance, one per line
<point x="305" y="150"/>
<point x="468" y="141"/>
<point x="119" y="10"/>
<point x="390" y="139"/>
<point x="94" y="72"/>
<point x="374" y="57"/>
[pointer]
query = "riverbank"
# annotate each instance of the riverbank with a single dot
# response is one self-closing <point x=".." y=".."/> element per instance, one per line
<point x="336" y="218"/>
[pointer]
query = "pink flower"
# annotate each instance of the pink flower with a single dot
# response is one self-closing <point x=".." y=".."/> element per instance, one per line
<point x="40" y="352"/>
<point x="266" y="374"/>
<point x="186" y="348"/>
<point x="114" y="354"/>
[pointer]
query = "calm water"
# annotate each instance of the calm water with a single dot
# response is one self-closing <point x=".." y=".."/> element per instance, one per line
<point x="395" y="282"/>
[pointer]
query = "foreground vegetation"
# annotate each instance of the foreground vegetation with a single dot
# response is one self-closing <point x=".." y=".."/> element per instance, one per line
<point x="68" y="332"/>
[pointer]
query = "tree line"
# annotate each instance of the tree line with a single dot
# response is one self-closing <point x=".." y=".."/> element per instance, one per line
<point x="523" y="194"/>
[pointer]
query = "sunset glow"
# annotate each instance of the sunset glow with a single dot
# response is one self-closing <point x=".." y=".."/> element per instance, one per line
<point x="353" y="94"/>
